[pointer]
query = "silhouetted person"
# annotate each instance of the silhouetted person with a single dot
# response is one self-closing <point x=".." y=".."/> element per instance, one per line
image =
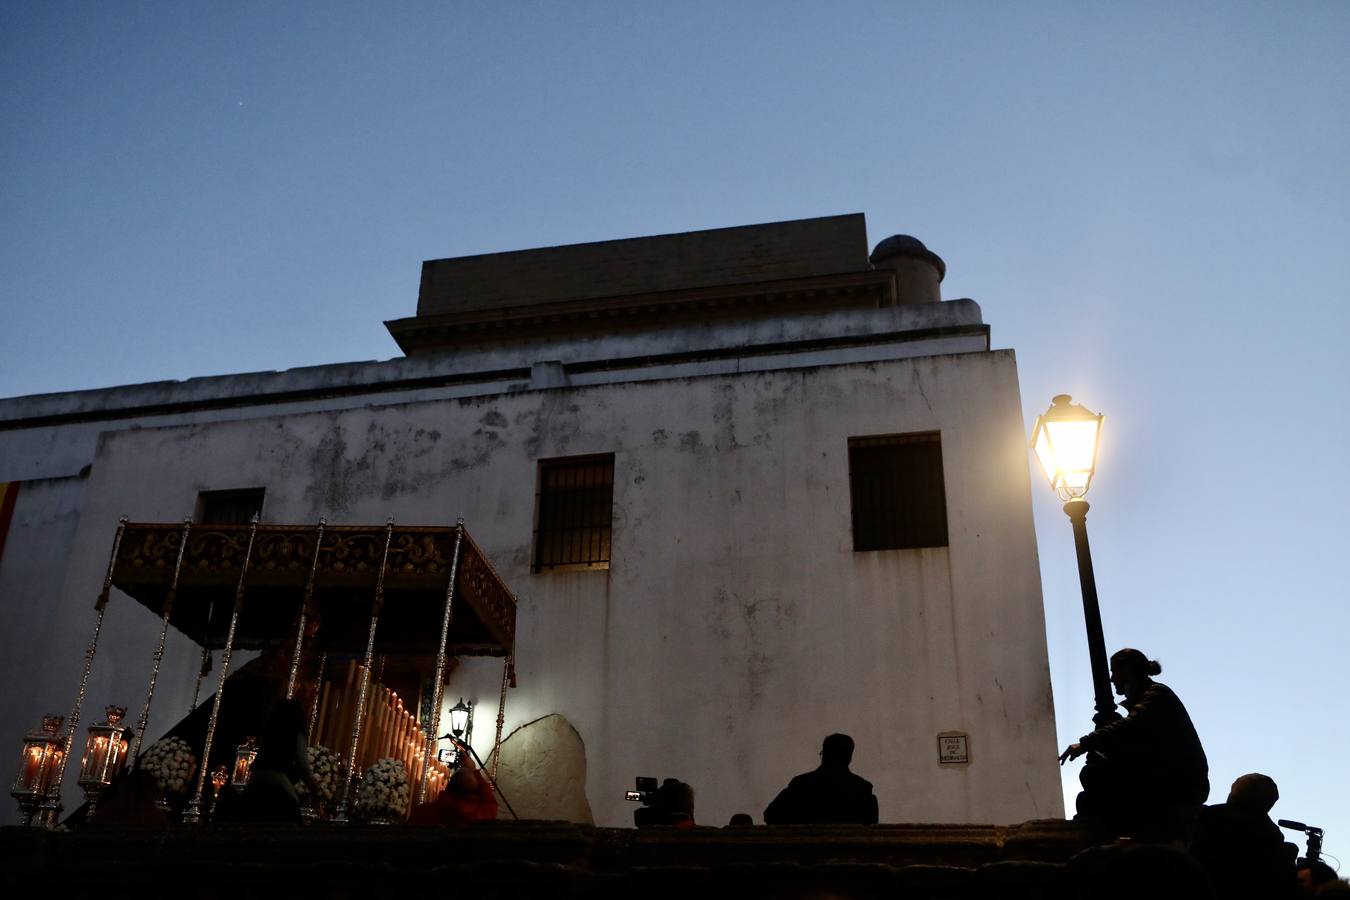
<point x="673" y="804"/>
<point x="1135" y="871"/>
<point x="1151" y="774"/>
<point x="829" y="795"/>
<point x="468" y="797"/>
<point x="740" y="820"/>
<point x="1315" y="877"/>
<point x="282" y="762"/>
<point x="1243" y="851"/>
<point x="130" y="799"/>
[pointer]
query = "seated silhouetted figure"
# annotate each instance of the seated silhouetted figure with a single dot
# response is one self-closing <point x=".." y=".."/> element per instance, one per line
<point x="130" y="800"/>
<point x="1243" y="851"/>
<point x="282" y="762"/>
<point x="466" y="799"/>
<point x="829" y="795"/>
<point x="1148" y="773"/>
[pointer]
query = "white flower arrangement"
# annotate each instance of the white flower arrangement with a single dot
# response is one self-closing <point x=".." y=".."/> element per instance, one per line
<point x="384" y="791"/>
<point x="172" y="762"/>
<point x="325" y="765"/>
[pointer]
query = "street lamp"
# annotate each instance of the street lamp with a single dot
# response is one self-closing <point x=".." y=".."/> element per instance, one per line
<point x="461" y="714"/>
<point x="1065" y="439"/>
<point x="461" y="729"/>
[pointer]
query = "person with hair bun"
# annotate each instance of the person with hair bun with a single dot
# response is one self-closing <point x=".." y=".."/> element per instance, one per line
<point x="1150" y="774"/>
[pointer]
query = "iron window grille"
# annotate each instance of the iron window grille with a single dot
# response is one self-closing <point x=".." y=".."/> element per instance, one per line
<point x="575" y="513"/>
<point x="898" y="494"/>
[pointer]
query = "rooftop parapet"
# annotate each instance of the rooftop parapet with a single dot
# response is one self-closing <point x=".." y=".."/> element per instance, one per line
<point x="647" y="283"/>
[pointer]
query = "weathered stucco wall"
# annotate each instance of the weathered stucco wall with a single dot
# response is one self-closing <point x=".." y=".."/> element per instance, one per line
<point x="736" y="626"/>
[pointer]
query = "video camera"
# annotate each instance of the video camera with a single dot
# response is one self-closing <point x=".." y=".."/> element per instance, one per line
<point x="646" y="790"/>
<point x="1314" y="837"/>
<point x="670" y="804"/>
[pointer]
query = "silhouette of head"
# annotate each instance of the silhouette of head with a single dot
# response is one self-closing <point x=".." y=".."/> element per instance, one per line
<point x="1130" y="671"/>
<point x="288" y="719"/>
<point x="1313" y="874"/>
<point x="837" y="750"/>
<point x="740" y="820"/>
<point x="677" y="796"/>
<point x="1255" y="793"/>
<point x="463" y="780"/>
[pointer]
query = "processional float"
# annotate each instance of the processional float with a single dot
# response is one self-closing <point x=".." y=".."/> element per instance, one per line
<point x="415" y="594"/>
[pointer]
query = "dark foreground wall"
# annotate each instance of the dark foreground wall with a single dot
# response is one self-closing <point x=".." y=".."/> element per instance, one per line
<point x="543" y="859"/>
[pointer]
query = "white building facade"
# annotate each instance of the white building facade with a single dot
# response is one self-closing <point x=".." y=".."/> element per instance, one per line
<point x="816" y="481"/>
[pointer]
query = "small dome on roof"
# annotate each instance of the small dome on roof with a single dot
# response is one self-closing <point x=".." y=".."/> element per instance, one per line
<point x="906" y="245"/>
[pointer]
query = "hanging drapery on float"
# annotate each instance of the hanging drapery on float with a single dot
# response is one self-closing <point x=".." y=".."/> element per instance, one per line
<point x="438" y="594"/>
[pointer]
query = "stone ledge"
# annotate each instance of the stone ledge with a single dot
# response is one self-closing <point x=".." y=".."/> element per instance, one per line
<point x="554" y="859"/>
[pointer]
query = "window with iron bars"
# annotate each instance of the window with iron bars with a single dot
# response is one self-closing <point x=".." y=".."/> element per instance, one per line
<point x="574" y="513"/>
<point x="897" y="490"/>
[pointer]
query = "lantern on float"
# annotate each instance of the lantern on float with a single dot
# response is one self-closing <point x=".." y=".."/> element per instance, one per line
<point x="105" y="753"/>
<point x="219" y="775"/>
<point x="243" y="762"/>
<point x="42" y="751"/>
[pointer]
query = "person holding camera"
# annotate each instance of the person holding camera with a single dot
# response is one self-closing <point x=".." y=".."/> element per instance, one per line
<point x="671" y="804"/>
<point x="1243" y="851"/>
<point x="1150" y="771"/>
<point x="467" y="798"/>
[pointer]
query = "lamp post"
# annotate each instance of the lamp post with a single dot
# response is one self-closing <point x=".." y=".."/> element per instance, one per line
<point x="1065" y="439"/>
<point x="461" y="730"/>
<point x="461" y="719"/>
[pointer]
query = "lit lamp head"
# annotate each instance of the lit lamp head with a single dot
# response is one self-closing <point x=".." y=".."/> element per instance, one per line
<point x="461" y="719"/>
<point x="243" y="762"/>
<point x="1065" y="439"/>
<point x="105" y="753"/>
<point x="219" y="776"/>
<point x="460" y="714"/>
<point x="42" y="752"/>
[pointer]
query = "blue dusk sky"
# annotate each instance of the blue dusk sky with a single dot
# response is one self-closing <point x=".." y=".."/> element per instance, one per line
<point x="1150" y="201"/>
